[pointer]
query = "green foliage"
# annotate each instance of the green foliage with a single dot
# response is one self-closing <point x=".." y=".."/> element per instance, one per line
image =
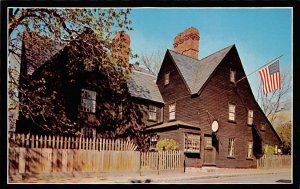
<point x="285" y="133"/>
<point x="268" y="150"/>
<point x="167" y="144"/>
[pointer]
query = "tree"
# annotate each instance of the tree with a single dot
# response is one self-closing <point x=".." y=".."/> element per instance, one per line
<point x="152" y="62"/>
<point x="87" y="34"/>
<point x="277" y="100"/>
<point x="285" y="133"/>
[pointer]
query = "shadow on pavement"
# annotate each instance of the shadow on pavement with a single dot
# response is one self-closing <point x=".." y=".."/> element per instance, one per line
<point x="284" y="181"/>
<point x="140" y="181"/>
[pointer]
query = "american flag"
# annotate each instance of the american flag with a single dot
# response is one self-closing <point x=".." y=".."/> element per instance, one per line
<point x="270" y="77"/>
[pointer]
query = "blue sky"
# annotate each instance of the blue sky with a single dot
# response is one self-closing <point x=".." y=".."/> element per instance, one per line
<point x="260" y="34"/>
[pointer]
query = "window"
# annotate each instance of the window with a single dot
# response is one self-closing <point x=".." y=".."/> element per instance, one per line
<point x="232" y="76"/>
<point x="250" y="117"/>
<point x="249" y="149"/>
<point x="191" y="143"/>
<point x="120" y="107"/>
<point x="88" y="100"/>
<point x="231" y="147"/>
<point x="152" y="113"/>
<point x="167" y="78"/>
<point x="88" y="132"/>
<point x="208" y="142"/>
<point x="276" y="149"/>
<point x="153" y="141"/>
<point x="263" y="127"/>
<point x="231" y="112"/>
<point x="172" y="109"/>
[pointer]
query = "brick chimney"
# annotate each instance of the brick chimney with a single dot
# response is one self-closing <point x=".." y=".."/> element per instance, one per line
<point x="187" y="42"/>
<point x="121" y="46"/>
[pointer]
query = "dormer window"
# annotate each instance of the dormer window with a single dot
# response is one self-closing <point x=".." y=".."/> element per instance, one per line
<point x="167" y="78"/>
<point x="88" y="100"/>
<point x="232" y="76"/>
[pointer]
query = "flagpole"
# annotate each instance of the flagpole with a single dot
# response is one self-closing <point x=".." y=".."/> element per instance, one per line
<point x="259" y="68"/>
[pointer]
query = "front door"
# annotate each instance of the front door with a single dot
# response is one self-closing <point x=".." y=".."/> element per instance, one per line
<point x="209" y="151"/>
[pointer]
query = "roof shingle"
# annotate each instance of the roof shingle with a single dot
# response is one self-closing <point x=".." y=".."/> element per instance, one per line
<point x="196" y="72"/>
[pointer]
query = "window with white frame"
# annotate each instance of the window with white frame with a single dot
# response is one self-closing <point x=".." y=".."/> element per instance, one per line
<point x="231" y="147"/>
<point x="152" y="112"/>
<point x="167" y="78"/>
<point x="231" y="112"/>
<point x="192" y="143"/>
<point x="88" y="100"/>
<point x="172" y="110"/>
<point x="276" y="149"/>
<point x="232" y="76"/>
<point x="249" y="149"/>
<point x="88" y="132"/>
<point x="250" y="117"/>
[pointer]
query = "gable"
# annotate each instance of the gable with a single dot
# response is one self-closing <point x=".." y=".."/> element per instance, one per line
<point x="196" y="72"/>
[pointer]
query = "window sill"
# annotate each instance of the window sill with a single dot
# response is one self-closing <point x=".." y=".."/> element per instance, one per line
<point x="232" y="121"/>
<point x="230" y="157"/>
<point x="249" y="159"/>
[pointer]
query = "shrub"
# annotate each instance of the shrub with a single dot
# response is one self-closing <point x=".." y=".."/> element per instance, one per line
<point x="269" y="150"/>
<point x="167" y="144"/>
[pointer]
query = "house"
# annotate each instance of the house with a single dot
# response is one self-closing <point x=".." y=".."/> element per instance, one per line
<point x="204" y="105"/>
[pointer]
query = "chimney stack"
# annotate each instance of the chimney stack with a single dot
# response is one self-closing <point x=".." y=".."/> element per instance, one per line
<point x="121" y="46"/>
<point x="187" y="42"/>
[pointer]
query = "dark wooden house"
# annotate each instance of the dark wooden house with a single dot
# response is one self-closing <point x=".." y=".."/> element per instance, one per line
<point x="189" y="97"/>
<point x="197" y="93"/>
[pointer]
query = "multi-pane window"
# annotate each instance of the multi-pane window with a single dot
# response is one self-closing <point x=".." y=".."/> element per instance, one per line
<point x="208" y="142"/>
<point x="152" y="113"/>
<point x="88" y="100"/>
<point x="231" y="112"/>
<point x="249" y="149"/>
<point x="250" y="117"/>
<point x="88" y="132"/>
<point x="192" y="143"/>
<point x="172" y="109"/>
<point x="231" y="147"/>
<point x="167" y="78"/>
<point x="232" y="76"/>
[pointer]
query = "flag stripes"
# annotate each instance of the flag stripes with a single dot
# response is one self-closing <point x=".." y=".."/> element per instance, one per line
<point x="270" y="77"/>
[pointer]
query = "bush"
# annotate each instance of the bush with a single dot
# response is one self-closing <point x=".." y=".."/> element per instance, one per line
<point x="269" y="150"/>
<point x="167" y="144"/>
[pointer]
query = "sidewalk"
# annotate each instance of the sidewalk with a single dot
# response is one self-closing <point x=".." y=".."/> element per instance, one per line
<point x="190" y="174"/>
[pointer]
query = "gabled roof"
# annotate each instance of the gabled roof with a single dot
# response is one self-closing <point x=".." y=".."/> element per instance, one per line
<point x="143" y="85"/>
<point x="171" y="124"/>
<point x="196" y="72"/>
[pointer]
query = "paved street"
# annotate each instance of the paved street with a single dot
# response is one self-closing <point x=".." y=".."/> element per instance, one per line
<point x="280" y="178"/>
